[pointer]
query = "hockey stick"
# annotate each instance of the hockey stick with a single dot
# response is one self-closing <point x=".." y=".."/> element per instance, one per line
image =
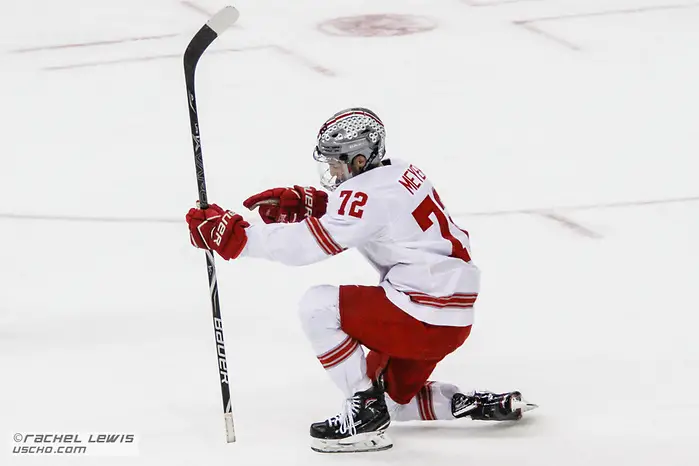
<point x="201" y="40"/>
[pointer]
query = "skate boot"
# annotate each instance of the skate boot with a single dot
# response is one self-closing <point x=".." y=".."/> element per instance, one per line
<point x="488" y="406"/>
<point x="359" y="427"/>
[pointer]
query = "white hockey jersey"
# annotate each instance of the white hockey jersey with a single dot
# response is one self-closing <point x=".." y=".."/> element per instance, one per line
<point x="393" y="215"/>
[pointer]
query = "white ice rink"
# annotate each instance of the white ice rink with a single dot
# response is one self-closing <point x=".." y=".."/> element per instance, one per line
<point x="546" y="125"/>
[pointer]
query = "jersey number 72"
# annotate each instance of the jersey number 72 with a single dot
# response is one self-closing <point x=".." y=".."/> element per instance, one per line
<point x="356" y="208"/>
<point x="422" y="215"/>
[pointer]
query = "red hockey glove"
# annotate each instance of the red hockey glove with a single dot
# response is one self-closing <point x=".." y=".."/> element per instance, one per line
<point x="218" y="230"/>
<point x="288" y="205"/>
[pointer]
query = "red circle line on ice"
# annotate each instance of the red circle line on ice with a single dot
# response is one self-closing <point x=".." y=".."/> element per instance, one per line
<point x="381" y="25"/>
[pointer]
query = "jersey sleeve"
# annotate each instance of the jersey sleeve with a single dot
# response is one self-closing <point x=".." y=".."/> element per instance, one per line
<point x="288" y="243"/>
<point x="345" y="225"/>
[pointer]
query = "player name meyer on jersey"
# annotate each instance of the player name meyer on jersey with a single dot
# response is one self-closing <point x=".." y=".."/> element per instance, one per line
<point x="412" y="179"/>
<point x="393" y="215"/>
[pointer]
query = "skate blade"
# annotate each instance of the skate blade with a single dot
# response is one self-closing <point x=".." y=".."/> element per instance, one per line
<point x="522" y="405"/>
<point x="370" y="441"/>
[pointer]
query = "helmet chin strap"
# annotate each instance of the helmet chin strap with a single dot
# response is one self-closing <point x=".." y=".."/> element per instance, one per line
<point x="368" y="165"/>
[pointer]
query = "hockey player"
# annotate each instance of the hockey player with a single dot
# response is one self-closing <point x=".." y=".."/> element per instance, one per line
<point x="422" y="309"/>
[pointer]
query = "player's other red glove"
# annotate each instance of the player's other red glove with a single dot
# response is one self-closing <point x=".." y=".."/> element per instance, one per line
<point x="288" y="205"/>
<point x="218" y="230"/>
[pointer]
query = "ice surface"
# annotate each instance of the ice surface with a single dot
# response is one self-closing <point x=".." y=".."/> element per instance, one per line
<point x="591" y="313"/>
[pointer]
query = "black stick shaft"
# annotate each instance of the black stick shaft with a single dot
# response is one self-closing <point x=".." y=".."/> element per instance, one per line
<point x="193" y="53"/>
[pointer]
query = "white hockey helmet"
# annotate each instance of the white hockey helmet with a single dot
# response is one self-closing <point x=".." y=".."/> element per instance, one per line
<point x="345" y="135"/>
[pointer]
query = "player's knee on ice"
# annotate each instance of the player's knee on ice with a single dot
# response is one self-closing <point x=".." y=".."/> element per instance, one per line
<point x="432" y="405"/>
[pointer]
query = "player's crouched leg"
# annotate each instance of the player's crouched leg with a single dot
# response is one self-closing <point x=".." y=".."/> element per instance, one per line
<point x="340" y="354"/>
<point x="364" y="417"/>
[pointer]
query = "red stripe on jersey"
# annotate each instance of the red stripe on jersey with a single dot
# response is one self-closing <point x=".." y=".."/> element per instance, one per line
<point x="314" y="231"/>
<point x="339" y="354"/>
<point x="458" y="300"/>
<point x="325" y="241"/>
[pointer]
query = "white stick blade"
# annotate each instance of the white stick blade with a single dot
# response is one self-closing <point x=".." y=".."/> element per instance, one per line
<point x="224" y="19"/>
<point x="230" y="429"/>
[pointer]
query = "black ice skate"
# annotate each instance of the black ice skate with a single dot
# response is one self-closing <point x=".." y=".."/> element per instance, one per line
<point x="360" y="427"/>
<point x="488" y="406"/>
